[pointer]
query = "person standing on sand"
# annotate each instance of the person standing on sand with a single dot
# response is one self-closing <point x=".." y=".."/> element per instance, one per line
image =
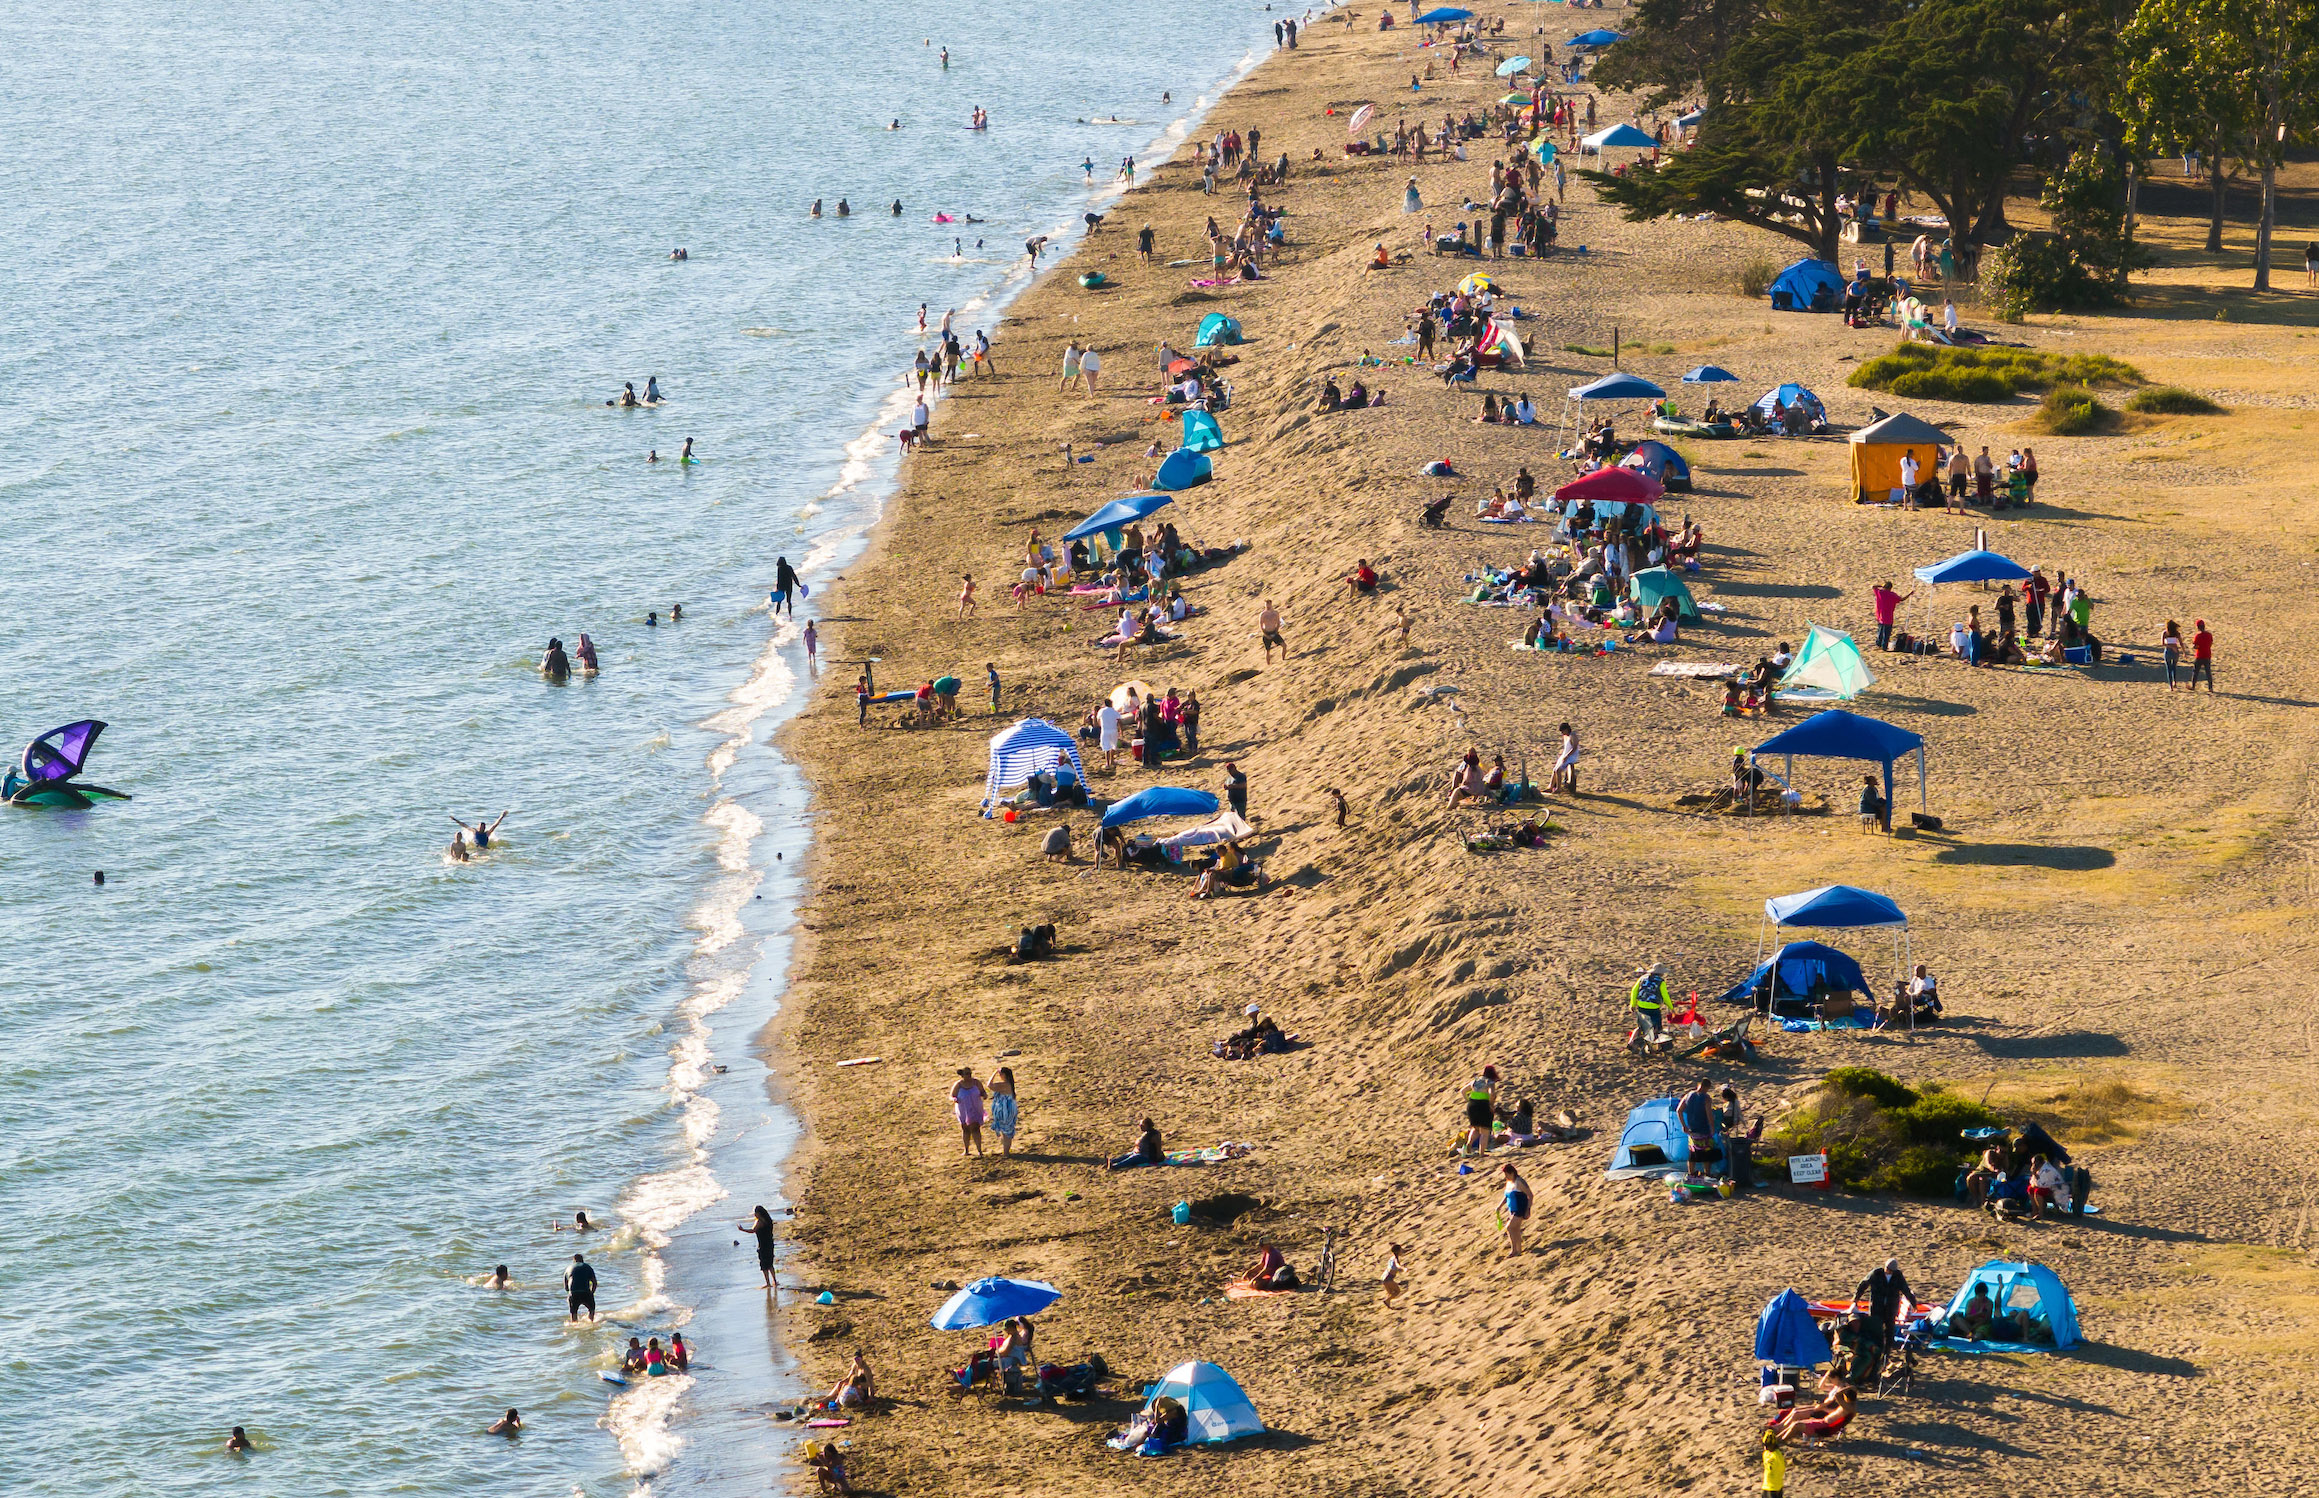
<point x="1565" y="776"/>
<point x="966" y="1101"/>
<point x="1107" y="729"/>
<point x="1236" y="789"/>
<point x="2201" y="657"/>
<point x="1144" y="240"/>
<point x="1004" y="1109"/>
<point x="1090" y="365"/>
<point x="1070" y="365"/>
<point x="965" y="595"/>
<point x="862" y="701"/>
<point x="990" y="669"/>
<point x="1268" y="625"/>
<point x="1393" y="1286"/>
<point x="1887" y="605"/>
<point x="1514" y="1207"/>
<point x="1481" y="1095"/>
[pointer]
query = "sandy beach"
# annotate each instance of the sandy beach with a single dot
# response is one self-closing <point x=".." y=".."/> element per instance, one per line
<point x="2114" y="903"/>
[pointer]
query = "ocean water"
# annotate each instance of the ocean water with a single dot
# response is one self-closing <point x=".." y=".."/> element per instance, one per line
<point x="308" y="315"/>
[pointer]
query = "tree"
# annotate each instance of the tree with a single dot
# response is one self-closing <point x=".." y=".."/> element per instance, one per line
<point x="2177" y="96"/>
<point x="1672" y="46"/>
<point x="2267" y="51"/>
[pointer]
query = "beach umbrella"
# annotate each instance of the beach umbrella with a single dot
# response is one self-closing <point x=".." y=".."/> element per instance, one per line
<point x="1543" y="149"/>
<point x="1595" y="38"/>
<point x="1360" y="118"/>
<point x="1117" y="513"/>
<point x="1709" y="374"/>
<point x="1161" y="801"/>
<point x="1130" y="691"/>
<point x="1511" y="66"/>
<point x="1444" y="16"/>
<point x="1515" y="99"/>
<point x="987" y="1302"/>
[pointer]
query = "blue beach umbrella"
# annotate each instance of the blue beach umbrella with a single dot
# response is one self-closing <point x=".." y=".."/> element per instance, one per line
<point x="987" y="1302"/>
<point x="1595" y="38"/>
<point x="1444" y="16"/>
<point x="1709" y="374"/>
<point x="1161" y="801"/>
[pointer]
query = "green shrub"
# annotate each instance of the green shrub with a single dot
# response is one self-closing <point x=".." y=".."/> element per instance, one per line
<point x="2072" y="411"/>
<point x="1941" y="1118"/>
<point x="1981" y="386"/>
<point x="1755" y="276"/>
<point x="2173" y="400"/>
<point x="1587" y="349"/>
<point x="1919" y="1170"/>
<point x="1867" y="1082"/>
<point x="1984" y="375"/>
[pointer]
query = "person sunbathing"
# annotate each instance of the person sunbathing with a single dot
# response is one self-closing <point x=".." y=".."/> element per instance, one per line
<point x="1819" y="1421"/>
<point x="1148" y="1149"/>
<point x="1271" y="1271"/>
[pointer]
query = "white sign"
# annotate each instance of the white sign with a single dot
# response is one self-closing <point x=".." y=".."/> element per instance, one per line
<point x="1808" y="1170"/>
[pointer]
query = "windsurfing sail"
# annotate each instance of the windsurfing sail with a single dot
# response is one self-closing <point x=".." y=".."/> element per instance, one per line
<point x="59" y="754"/>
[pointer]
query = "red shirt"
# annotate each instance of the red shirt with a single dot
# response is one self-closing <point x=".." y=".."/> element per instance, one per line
<point x="1887" y="604"/>
<point x="2202" y="646"/>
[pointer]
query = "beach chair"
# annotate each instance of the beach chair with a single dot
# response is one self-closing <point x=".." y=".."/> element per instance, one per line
<point x="1730" y="1042"/>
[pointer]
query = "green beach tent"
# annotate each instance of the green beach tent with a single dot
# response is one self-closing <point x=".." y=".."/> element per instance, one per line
<point x="1655" y="583"/>
<point x="1828" y="668"/>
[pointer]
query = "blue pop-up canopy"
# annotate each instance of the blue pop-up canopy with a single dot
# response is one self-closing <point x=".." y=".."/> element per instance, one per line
<point x="1708" y="374"/>
<point x="987" y="1302"/>
<point x="1595" y="38"/>
<point x="1618" y="135"/>
<point x="1117" y="513"/>
<point x="1837" y="734"/>
<point x="1973" y="567"/>
<point x="1161" y="801"/>
<point x="1444" y="16"/>
<point x="1835" y="906"/>
<point x="1787" y="1336"/>
<point x="1617" y="387"/>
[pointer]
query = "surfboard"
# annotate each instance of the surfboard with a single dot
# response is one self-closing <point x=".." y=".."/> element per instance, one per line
<point x="613" y="1378"/>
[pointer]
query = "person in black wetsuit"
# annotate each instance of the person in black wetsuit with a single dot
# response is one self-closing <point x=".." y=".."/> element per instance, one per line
<point x="785" y="584"/>
<point x="761" y="1223"/>
<point x="555" y="665"/>
<point x="580" y="1288"/>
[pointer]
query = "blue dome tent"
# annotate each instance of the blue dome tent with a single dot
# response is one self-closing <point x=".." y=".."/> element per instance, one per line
<point x="1201" y="433"/>
<point x="1652" y="1144"/>
<point x="1215" y="1407"/>
<point x="1795" y="972"/>
<point x="1183" y="469"/>
<point x="2030" y="1296"/>
<point x="1807" y="286"/>
<point x="1662" y="463"/>
<point x="1792" y="396"/>
<point x="1216" y="328"/>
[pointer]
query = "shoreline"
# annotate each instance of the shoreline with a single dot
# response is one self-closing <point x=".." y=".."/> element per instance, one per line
<point x="684" y="1243"/>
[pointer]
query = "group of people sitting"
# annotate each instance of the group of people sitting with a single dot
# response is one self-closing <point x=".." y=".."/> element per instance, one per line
<point x="2025" y="1177"/>
<point x="652" y="1361"/>
<point x="1357" y="398"/>
<point x="1518" y="412"/>
<point x="1161" y="726"/>
<point x="1259" y="1037"/>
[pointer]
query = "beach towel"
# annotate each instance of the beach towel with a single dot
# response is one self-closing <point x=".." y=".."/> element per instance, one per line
<point x="1848" y="1022"/>
<point x="1704" y="670"/>
<point x="1242" y="1290"/>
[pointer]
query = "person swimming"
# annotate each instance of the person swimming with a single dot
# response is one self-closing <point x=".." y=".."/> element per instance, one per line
<point x="479" y="833"/>
<point x="578" y="1224"/>
<point x="686" y="456"/>
<point x="499" y="1280"/>
<point x="555" y="665"/>
<point x="459" y="853"/>
<point x="815" y="211"/>
<point x="675" y="612"/>
<point x="652" y="456"/>
<point x="652" y="395"/>
<point x="651" y="620"/>
<point x="897" y="207"/>
<point x="238" y="1441"/>
<point x="509" y="1424"/>
<point x="627" y="395"/>
<point x="679" y="253"/>
<point x="586" y="654"/>
<point x="844" y="209"/>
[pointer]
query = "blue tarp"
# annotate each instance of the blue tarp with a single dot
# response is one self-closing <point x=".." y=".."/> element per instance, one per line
<point x="1660" y="462"/>
<point x="1617" y="387"/>
<point x="1183" y="469"/>
<point x="1201" y="433"/>
<point x="1161" y="801"/>
<point x="1804" y="967"/>
<point x="1787" y="1335"/>
<point x="1652" y="1144"/>
<point x="1708" y="374"/>
<point x="1117" y="513"/>
<point x="2029" y="1293"/>
<point x="1834" y="906"/>
<point x="1973" y="567"/>
<point x="1217" y="328"/>
<point x="1810" y="285"/>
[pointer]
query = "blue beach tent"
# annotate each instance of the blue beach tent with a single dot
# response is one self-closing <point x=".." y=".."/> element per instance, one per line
<point x="1027" y="748"/>
<point x="1709" y="374"/>
<point x="1786" y="1336"/>
<point x="987" y="1302"/>
<point x="1808" y="286"/>
<point x="1112" y="516"/>
<point x="1973" y="567"/>
<point x="2030" y="1295"/>
<point x="1216" y="328"/>
<point x="1792" y="395"/>
<point x="1799" y="970"/>
<point x="1201" y="434"/>
<point x="1161" y="801"/>
<point x="1183" y="469"/>
<point x="1618" y="135"/>
<point x="1652" y="1144"/>
<point x="1215" y="1408"/>
<point x="1661" y="462"/>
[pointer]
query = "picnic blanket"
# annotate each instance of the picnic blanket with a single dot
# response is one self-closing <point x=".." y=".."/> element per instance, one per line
<point x="1848" y="1022"/>
<point x="1715" y="670"/>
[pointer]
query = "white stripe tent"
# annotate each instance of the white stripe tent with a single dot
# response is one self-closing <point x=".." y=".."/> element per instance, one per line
<point x="1023" y="750"/>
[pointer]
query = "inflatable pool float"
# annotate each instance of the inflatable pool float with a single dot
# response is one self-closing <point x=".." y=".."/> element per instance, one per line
<point x="1677" y="426"/>
<point x="1093" y="279"/>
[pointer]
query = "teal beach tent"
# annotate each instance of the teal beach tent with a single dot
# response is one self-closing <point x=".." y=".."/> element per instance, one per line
<point x="1183" y="469"/>
<point x="1216" y="328"/>
<point x="2028" y="1300"/>
<point x="1201" y="434"/>
<point x="1653" y="585"/>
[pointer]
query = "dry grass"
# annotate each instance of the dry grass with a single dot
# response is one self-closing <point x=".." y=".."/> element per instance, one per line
<point x="2092" y="1110"/>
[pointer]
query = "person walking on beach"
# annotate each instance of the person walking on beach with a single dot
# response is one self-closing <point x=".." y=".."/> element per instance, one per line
<point x="965" y="595"/>
<point x="812" y="650"/>
<point x="1144" y="240"/>
<point x="579" y="1289"/>
<point x="784" y="586"/>
<point x="1070" y="365"/>
<point x="1090" y="366"/>
<point x="1236" y="789"/>
<point x="862" y="700"/>
<point x="1392" y="1283"/>
<point x="760" y="1222"/>
<point x="990" y="669"/>
<point x="2201" y="656"/>
<point x="1004" y="1109"/>
<point x="1268" y="626"/>
<point x="966" y="1101"/>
